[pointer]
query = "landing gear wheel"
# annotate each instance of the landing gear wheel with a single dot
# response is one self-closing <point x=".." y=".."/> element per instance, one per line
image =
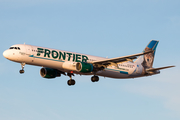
<point x="21" y="71"/>
<point x="94" y="78"/>
<point x="71" y="82"/>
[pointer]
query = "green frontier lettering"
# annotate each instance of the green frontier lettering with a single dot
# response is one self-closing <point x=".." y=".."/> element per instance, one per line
<point x="54" y="54"/>
<point x="69" y="57"/>
<point x="47" y="52"/>
<point x="62" y="55"/>
<point x="40" y="50"/>
<point x="74" y="57"/>
<point x="78" y="57"/>
<point x="84" y="58"/>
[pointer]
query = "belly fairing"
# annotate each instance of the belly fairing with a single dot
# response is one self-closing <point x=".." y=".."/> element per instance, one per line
<point x="124" y="70"/>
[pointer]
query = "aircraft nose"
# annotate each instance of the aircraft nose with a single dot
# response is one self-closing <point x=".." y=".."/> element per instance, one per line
<point x="5" y="54"/>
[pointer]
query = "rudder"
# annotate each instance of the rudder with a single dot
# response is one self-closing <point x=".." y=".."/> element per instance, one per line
<point x="148" y="59"/>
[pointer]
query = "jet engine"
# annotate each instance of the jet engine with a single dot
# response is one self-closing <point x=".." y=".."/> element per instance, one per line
<point x="78" y="66"/>
<point x="69" y="66"/>
<point x="84" y="67"/>
<point x="49" y="73"/>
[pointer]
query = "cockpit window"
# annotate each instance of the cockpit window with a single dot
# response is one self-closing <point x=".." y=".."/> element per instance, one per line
<point x="17" y="48"/>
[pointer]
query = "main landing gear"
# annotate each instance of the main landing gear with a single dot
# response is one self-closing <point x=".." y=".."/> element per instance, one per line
<point x="71" y="81"/>
<point x="94" y="78"/>
<point x="22" y="65"/>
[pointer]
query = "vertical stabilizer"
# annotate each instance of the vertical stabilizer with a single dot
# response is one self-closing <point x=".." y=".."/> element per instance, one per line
<point x="147" y="59"/>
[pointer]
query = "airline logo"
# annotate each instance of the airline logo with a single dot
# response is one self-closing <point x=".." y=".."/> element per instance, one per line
<point x="62" y="55"/>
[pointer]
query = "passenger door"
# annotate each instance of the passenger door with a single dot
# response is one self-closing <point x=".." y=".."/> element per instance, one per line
<point x="30" y="54"/>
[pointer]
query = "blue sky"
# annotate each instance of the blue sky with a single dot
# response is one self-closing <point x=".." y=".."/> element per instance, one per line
<point x="96" y="27"/>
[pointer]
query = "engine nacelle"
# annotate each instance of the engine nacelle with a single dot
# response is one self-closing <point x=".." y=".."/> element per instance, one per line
<point x="84" y="67"/>
<point x="48" y="73"/>
<point x="69" y="66"/>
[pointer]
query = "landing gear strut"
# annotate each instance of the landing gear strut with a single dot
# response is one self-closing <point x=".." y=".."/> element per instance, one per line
<point x="71" y="81"/>
<point x="22" y="65"/>
<point x="94" y="78"/>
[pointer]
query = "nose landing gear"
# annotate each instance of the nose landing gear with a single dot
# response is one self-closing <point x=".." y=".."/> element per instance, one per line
<point x="22" y="65"/>
<point x="21" y="71"/>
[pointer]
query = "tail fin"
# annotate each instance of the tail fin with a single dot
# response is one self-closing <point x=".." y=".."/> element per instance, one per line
<point x="147" y="59"/>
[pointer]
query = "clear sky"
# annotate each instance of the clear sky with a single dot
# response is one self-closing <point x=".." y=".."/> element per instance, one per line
<point x="103" y="28"/>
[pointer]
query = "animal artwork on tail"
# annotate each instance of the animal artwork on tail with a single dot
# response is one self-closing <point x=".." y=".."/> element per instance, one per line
<point x="149" y="58"/>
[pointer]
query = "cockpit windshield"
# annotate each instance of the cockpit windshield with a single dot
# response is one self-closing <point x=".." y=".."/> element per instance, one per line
<point x="17" y="48"/>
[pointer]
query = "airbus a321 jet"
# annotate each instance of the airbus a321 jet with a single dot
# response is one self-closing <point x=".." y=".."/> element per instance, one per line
<point x="56" y="62"/>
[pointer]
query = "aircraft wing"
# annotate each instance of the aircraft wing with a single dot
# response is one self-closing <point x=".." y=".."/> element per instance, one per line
<point x="154" y="69"/>
<point x="111" y="61"/>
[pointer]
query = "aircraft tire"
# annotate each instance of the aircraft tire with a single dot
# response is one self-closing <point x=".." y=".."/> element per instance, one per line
<point x="71" y="82"/>
<point x="21" y="71"/>
<point x="94" y="78"/>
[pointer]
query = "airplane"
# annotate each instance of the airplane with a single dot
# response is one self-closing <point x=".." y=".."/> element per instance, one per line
<point x="55" y="62"/>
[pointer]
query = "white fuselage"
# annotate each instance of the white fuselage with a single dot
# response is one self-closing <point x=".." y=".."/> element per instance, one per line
<point x="52" y="58"/>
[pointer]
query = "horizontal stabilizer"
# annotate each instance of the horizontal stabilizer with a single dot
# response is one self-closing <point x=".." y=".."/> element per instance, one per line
<point x="154" y="69"/>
